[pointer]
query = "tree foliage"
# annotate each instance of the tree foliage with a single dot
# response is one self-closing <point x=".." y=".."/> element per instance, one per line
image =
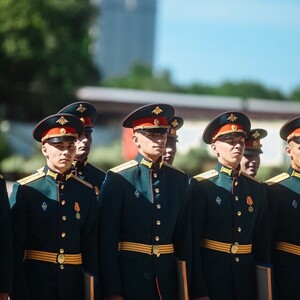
<point x="44" y="54"/>
<point x="295" y="96"/>
<point x="245" y="89"/>
<point x="141" y="77"/>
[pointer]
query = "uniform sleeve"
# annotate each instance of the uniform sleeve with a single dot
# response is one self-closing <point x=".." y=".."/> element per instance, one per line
<point x="183" y="234"/>
<point x="20" y="217"/>
<point x="111" y="199"/>
<point x="6" y="259"/>
<point x="272" y="193"/>
<point x="198" y="283"/>
<point x="261" y="241"/>
<point x="89" y="238"/>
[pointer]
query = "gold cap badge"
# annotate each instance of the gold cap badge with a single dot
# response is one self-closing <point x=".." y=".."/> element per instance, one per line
<point x="256" y="134"/>
<point x="232" y="118"/>
<point x="157" y="110"/>
<point x="62" y="121"/>
<point x="81" y="108"/>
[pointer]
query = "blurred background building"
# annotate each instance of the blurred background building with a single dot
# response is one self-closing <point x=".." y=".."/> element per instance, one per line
<point x="123" y="35"/>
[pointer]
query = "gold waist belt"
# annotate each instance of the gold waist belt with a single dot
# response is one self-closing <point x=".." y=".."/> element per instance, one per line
<point x="56" y="258"/>
<point x="287" y="247"/>
<point x="226" y="247"/>
<point x="146" y="249"/>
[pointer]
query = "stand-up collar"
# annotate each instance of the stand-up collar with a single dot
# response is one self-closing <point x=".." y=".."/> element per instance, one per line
<point x="228" y="171"/>
<point x="79" y="164"/>
<point x="293" y="172"/>
<point x="57" y="176"/>
<point x="148" y="163"/>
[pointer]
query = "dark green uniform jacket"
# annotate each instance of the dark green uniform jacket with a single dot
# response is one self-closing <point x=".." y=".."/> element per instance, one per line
<point x="228" y="207"/>
<point x="143" y="204"/>
<point x="57" y="214"/>
<point x="89" y="173"/>
<point x="284" y="199"/>
<point x="6" y="257"/>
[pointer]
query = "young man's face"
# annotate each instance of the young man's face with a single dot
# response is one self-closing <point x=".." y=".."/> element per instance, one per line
<point x="59" y="156"/>
<point x="170" y="151"/>
<point x="229" y="150"/>
<point x="150" y="145"/>
<point x="83" y="146"/>
<point x="250" y="164"/>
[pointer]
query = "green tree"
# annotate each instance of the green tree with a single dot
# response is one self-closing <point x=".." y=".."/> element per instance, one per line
<point x="141" y="77"/>
<point x="44" y="54"/>
<point x="295" y="95"/>
<point x="245" y="89"/>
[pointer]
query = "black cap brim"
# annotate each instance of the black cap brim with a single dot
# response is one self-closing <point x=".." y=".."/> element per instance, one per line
<point x="154" y="130"/>
<point x="146" y="111"/>
<point x="88" y="110"/>
<point x="289" y="127"/>
<point x="52" y="122"/>
<point x="223" y="119"/>
<point x="252" y="152"/>
<point x="61" y="139"/>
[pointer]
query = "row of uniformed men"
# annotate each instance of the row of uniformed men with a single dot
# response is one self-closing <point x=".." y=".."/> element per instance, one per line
<point x="150" y="215"/>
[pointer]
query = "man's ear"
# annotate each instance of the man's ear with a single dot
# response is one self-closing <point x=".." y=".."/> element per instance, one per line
<point x="135" y="140"/>
<point x="288" y="150"/>
<point x="214" y="148"/>
<point x="44" y="150"/>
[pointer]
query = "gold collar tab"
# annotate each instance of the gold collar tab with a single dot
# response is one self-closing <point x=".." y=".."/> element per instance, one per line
<point x="150" y="164"/>
<point x="295" y="174"/>
<point x="227" y="171"/>
<point x="56" y="176"/>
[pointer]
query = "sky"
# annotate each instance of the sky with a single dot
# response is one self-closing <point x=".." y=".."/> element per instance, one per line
<point x="210" y="41"/>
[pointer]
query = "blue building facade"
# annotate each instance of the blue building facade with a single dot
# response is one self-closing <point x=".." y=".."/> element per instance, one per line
<point x="123" y="35"/>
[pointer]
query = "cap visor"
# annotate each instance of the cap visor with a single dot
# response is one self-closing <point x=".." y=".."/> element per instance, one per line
<point x="88" y="129"/>
<point x="154" y="130"/>
<point x="60" y="139"/>
<point x="252" y="152"/>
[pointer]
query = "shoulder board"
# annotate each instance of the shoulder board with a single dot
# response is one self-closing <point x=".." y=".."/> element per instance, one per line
<point x="40" y="169"/>
<point x="1" y="177"/>
<point x="251" y="177"/>
<point x="31" y="178"/>
<point x="124" y="166"/>
<point x="172" y="167"/>
<point x="82" y="181"/>
<point x="206" y="175"/>
<point x="277" y="178"/>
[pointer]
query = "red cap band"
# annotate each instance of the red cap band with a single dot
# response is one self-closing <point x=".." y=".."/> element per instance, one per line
<point x="59" y="131"/>
<point x="157" y="122"/>
<point x="252" y="144"/>
<point x="87" y="122"/>
<point x="228" y="128"/>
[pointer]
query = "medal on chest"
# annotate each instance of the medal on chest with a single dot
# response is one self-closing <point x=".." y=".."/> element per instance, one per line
<point x="250" y="204"/>
<point x="77" y="209"/>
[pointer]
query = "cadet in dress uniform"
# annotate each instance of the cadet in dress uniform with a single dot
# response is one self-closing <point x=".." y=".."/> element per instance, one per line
<point x="6" y="257"/>
<point x="230" y="217"/>
<point x="284" y="199"/>
<point x="171" y="148"/>
<point x="144" y="215"/>
<point x="251" y="159"/>
<point x="54" y="219"/>
<point x="81" y="167"/>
